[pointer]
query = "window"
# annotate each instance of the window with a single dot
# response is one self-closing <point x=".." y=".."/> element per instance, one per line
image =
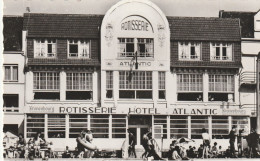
<point x="189" y="87"/>
<point x="128" y="47"/>
<point x="46" y="85"/>
<point x="11" y="73"/>
<point x="240" y="122"/>
<point x="77" y="123"/>
<point x="135" y="85"/>
<point x="79" y="48"/>
<point x="100" y="126"/>
<point x="118" y="126"/>
<point x="79" y="86"/>
<point x="56" y="126"/>
<point x="160" y="120"/>
<point x="189" y="50"/>
<point x="221" y="88"/>
<point x="220" y="127"/>
<point x="197" y="123"/>
<point x="35" y="124"/>
<point x="11" y="102"/>
<point x="178" y="127"/>
<point x="221" y="51"/>
<point x="45" y="48"/>
<point x="161" y="85"/>
<point x="109" y="84"/>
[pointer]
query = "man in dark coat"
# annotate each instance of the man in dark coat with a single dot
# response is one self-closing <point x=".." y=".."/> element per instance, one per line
<point x="232" y="139"/>
<point x="253" y="140"/>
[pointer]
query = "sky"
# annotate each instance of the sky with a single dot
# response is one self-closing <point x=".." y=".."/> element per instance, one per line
<point x="194" y="8"/>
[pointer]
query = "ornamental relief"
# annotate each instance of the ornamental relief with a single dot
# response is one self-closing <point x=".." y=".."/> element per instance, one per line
<point x="161" y="34"/>
<point x="109" y="34"/>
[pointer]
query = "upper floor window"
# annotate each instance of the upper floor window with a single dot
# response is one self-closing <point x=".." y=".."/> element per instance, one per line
<point x="45" y="48"/>
<point x="10" y="73"/>
<point x="79" y="48"/>
<point x="128" y="47"/>
<point x="109" y="84"/>
<point x="161" y="83"/>
<point x="189" y="50"/>
<point x="221" y="51"/>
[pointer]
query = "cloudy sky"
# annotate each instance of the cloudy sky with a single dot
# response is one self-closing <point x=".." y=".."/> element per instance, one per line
<point x="206" y="8"/>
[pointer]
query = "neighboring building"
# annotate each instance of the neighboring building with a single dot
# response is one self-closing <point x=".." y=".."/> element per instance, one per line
<point x="13" y="75"/>
<point x="81" y="73"/>
<point x="250" y="47"/>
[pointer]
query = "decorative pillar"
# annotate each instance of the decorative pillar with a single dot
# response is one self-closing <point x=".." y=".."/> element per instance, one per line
<point x="45" y="126"/>
<point x="63" y="85"/>
<point x="205" y="86"/>
<point x="89" y="128"/>
<point x="155" y="87"/>
<point x="236" y="89"/>
<point x="189" y="126"/>
<point x="29" y="94"/>
<point x="210" y="125"/>
<point x="116" y="86"/>
<point x="67" y="127"/>
<point x="103" y="87"/>
<point x="229" y="123"/>
<point x="25" y="126"/>
<point x="110" y="127"/>
<point x="95" y="86"/>
<point x="168" y="127"/>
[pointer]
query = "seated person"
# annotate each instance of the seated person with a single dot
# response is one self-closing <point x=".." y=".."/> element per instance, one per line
<point x="66" y="153"/>
<point x="176" y="153"/>
<point x="214" y="150"/>
<point x="200" y="151"/>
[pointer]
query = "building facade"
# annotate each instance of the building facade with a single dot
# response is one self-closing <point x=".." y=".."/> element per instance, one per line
<point x="131" y="69"/>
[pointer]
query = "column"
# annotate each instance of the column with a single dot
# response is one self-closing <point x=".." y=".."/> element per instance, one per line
<point x="205" y="86"/>
<point x="236" y="89"/>
<point x="45" y="126"/>
<point x="29" y="94"/>
<point x="95" y="86"/>
<point x="67" y="127"/>
<point x="155" y="87"/>
<point x="89" y="128"/>
<point x="210" y="125"/>
<point x="25" y="126"/>
<point x="116" y="86"/>
<point x="63" y="86"/>
<point x="110" y="127"/>
<point x="152" y="126"/>
<point x="171" y="87"/>
<point x="138" y="136"/>
<point x="229" y="123"/>
<point x="103" y="87"/>
<point x="189" y="126"/>
<point x="168" y="127"/>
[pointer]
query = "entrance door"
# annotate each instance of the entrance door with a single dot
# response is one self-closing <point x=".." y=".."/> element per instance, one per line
<point x="138" y="131"/>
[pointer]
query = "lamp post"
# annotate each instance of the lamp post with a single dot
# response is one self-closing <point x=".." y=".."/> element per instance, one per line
<point x="258" y="94"/>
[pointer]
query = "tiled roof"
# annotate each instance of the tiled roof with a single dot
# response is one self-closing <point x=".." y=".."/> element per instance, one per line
<point x="246" y="21"/>
<point x="88" y="26"/>
<point x="62" y="25"/>
<point x="204" y="28"/>
<point x="12" y="31"/>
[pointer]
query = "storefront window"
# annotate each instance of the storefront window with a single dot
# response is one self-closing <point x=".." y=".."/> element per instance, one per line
<point x="189" y="51"/>
<point x="189" y="87"/>
<point x="221" y="88"/>
<point x="160" y="126"/>
<point x="99" y="124"/>
<point x="178" y="126"/>
<point x="161" y="85"/>
<point x="35" y="124"/>
<point x="77" y="123"/>
<point x="118" y="126"/>
<point x="240" y="122"/>
<point x="220" y="127"/>
<point x="109" y="84"/>
<point x="56" y="126"/>
<point x="128" y="46"/>
<point x="197" y="123"/>
<point x="135" y="85"/>
<point x="79" y="86"/>
<point x="46" y="85"/>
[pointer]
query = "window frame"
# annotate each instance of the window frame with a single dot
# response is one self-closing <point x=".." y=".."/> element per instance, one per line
<point x="44" y="48"/>
<point x="55" y="78"/>
<point x="186" y="46"/>
<point x="11" y="73"/>
<point x="80" y="43"/>
<point x="221" y="46"/>
<point x="109" y="83"/>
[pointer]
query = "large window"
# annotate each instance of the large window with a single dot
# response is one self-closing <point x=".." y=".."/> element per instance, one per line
<point x="197" y="123"/>
<point x="189" y="87"/>
<point x="221" y="88"/>
<point x="10" y="73"/>
<point x="161" y="85"/>
<point x="79" y="48"/>
<point x="189" y="50"/>
<point x="178" y="126"/>
<point x="46" y="85"/>
<point x="135" y="85"/>
<point x="45" y="48"/>
<point x="99" y="124"/>
<point x="77" y="123"/>
<point x="240" y="122"/>
<point x="118" y="126"/>
<point x="128" y="46"/>
<point x="56" y="126"/>
<point x="160" y="126"/>
<point x="220" y="127"/>
<point x="11" y="102"/>
<point x="35" y="124"/>
<point x="221" y="51"/>
<point x="79" y="86"/>
<point x="109" y="84"/>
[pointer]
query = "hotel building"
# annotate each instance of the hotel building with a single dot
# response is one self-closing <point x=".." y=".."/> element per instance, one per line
<point x="132" y="68"/>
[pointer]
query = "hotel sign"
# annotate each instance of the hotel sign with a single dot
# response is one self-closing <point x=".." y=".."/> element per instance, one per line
<point x="135" y="23"/>
<point x="142" y="64"/>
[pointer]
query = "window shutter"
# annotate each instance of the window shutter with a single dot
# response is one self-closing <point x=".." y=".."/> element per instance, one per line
<point x="80" y="48"/>
<point x="15" y="73"/>
<point x="229" y="52"/>
<point x="197" y="50"/>
<point x="54" y="48"/>
<point x="37" y="48"/>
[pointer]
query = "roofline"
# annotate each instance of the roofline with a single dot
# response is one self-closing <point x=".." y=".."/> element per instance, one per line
<point x="72" y="14"/>
<point x="240" y="11"/>
<point x="12" y="16"/>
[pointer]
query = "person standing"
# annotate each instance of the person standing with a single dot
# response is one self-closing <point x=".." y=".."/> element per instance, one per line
<point x="239" y="143"/>
<point x="151" y="148"/>
<point x="206" y="143"/>
<point x="21" y="143"/>
<point x="232" y="138"/>
<point x="132" y="142"/>
<point x="145" y="144"/>
<point x="254" y="139"/>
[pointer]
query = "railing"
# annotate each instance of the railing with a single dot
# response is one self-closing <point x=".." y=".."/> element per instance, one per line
<point x="248" y="77"/>
<point x="11" y="109"/>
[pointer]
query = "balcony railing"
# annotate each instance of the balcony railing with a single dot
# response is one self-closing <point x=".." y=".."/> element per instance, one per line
<point x="11" y="109"/>
<point x="248" y="77"/>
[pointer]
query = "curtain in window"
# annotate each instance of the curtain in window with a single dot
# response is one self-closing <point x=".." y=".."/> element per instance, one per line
<point x="229" y="52"/>
<point x="7" y="73"/>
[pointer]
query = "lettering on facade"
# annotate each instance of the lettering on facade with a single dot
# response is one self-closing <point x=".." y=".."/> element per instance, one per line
<point x="88" y="110"/>
<point x="144" y="64"/>
<point x="197" y="111"/>
<point x="143" y="111"/>
<point x="42" y="109"/>
<point x="138" y="25"/>
<point x="233" y="112"/>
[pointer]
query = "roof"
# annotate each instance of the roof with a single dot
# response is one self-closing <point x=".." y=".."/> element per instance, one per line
<point x="12" y="31"/>
<point x="62" y="25"/>
<point x="246" y="21"/>
<point x="87" y="26"/>
<point x="204" y="28"/>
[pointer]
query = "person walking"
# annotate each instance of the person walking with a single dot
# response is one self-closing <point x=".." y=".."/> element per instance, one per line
<point x="132" y="142"/>
<point x="151" y="148"/>
<point x="232" y="138"/>
<point x="206" y="143"/>
<point x="145" y="144"/>
<point x="239" y="143"/>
